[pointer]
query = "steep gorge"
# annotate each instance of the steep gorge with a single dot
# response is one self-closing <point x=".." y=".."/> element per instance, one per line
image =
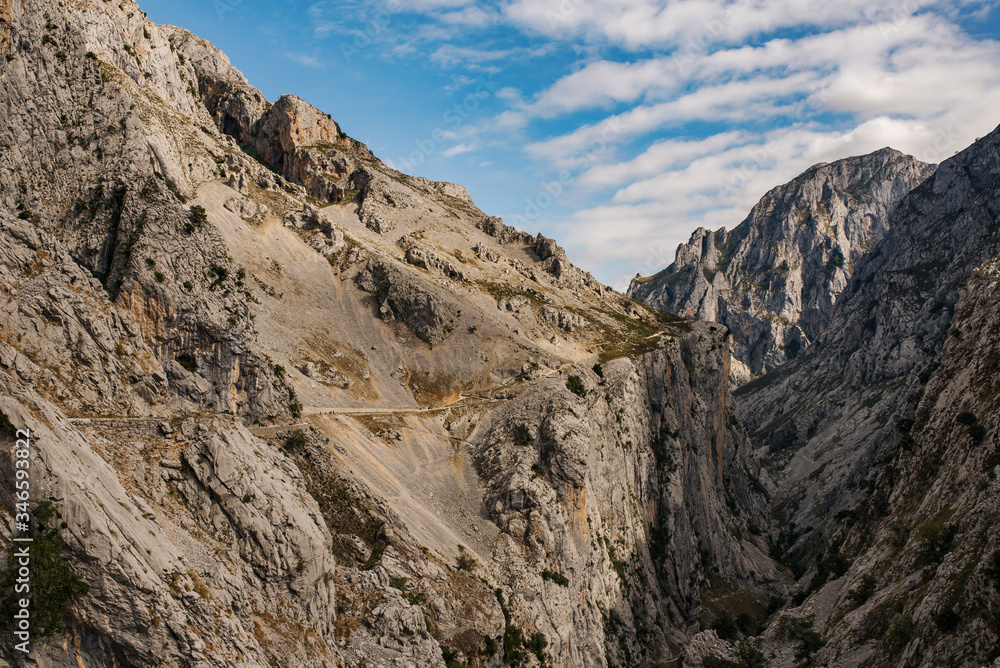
<point x="775" y="278"/>
<point x="294" y="407"/>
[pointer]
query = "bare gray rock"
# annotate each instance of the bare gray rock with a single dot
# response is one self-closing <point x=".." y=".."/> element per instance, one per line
<point x="887" y="425"/>
<point x="404" y="297"/>
<point x="420" y="256"/>
<point x="775" y="278"/>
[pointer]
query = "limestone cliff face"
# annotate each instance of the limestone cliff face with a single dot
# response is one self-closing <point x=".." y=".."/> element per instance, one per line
<point x="927" y="556"/>
<point x="634" y="491"/>
<point x="774" y="279"/>
<point x="887" y="425"/>
<point x="295" y="408"/>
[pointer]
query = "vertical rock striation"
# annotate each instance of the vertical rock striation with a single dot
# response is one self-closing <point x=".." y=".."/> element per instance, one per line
<point x="774" y="279"/>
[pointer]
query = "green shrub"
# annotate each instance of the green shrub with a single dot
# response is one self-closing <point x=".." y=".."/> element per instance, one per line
<point x="450" y="658"/>
<point x="196" y="214"/>
<point x="661" y="453"/>
<point x="976" y="431"/>
<point x="947" y="620"/>
<point x="810" y="642"/>
<point x="296" y="441"/>
<point x="801" y="630"/>
<point x="863" y="591"/>
<point x="513" y="646"/>
<point x="8" y="427"/>
<point x="187" y="361"/>
<point x="937" y="544"/>
<point x="415" y="598"/>
<point x="748" y="655"/>
<point x="536" y="645"/>
<point x="54" y="584"/>
<point x="465" y="562"/>
<point x="966" y="418"/>
<point x="836" y="259"/>
<point x="992" y="570"/>
<point x="374" y="557"/>
<point x="513" y="637"/>
<point x="599" y="370"/>
<point x="158" y="275"/>
<point x="725" y="626"/>
<point x="172" y="187"/>
<point x="834" y="566"/>
<point x="746" y="623"/>
<point x="221" y="274"/>
<point x="900" y="634"/>
<point x="575" y="385"/>
<point x="556" y="577"/>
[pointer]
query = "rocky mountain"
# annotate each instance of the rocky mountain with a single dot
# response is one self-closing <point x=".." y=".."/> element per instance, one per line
<point x="291" y="407"/>
<point x="880" y="440"/>
<point x="774" y="279"/>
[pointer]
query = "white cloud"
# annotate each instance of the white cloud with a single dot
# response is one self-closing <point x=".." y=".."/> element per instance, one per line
<point x="602" y="83"/>
<point x="740" y="100"/>
<point x="901" y="51"/>
<point x="679" y="113"/>
<point x="306" y="60"/>
<point x="641" y="225"/>
<point x="696" y="25"/>
<point x="457" y="149"/>
<point x="469" y="16"/>
<point x="660" y="157"/>
<point x="450" y="55"/>
<point x="917" y="83"/>
<point x="460" y="81"/>
<point x="322" y="26"/>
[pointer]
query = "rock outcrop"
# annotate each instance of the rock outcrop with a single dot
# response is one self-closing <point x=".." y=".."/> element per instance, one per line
<point x="887" y="425"/>
<point x="292" y="407"/>
<point x="775" y="278"/>
<point x="269" y="433"/>
<point x="625" y="492"/>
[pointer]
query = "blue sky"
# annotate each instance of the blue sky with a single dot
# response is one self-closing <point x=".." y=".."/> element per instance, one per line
<point x="619" y="126"/>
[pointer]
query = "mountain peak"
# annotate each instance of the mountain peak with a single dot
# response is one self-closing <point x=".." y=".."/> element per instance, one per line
<point x="774" y="279"/>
